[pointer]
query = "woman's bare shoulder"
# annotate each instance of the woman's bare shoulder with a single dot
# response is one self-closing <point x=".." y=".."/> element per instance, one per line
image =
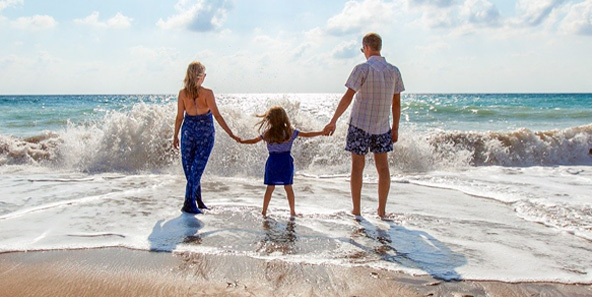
<point x="207" y="91"/>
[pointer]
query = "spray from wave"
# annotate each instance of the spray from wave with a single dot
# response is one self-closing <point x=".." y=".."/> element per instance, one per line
<point x="141" y="140"/>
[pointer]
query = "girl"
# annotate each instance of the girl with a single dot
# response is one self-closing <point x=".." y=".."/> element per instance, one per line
<point x="279" y="135"/>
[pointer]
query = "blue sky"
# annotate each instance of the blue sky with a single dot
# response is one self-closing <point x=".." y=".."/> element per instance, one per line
<point x="288" y="46"/>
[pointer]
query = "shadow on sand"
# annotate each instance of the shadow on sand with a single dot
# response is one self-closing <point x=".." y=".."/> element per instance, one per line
<point x="408" y="248"/>
<point x="166" y="235"/>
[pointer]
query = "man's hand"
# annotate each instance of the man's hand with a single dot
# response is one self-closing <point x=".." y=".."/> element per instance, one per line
<point x="394" y="135"/>
<point x="329" y="129"/>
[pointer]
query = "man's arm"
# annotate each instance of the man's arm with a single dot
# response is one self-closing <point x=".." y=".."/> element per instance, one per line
<point x="396" y="117"/>
<point x="341" y="108"/>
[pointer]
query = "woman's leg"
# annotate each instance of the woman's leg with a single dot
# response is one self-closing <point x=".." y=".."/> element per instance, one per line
<point x="204" y="149"/>
<point x="188" y="151"/>
<point x="267" y="198"/>
<point x="290" y="195"/>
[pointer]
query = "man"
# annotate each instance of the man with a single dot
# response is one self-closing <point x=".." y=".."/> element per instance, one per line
<point x="377" y="86"/>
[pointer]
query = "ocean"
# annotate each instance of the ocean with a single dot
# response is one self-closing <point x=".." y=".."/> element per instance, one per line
<point x="484" y="186"/>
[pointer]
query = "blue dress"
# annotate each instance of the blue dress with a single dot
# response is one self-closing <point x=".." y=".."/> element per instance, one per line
<point x="279" y="168"/>
<point x="197" y="141"/>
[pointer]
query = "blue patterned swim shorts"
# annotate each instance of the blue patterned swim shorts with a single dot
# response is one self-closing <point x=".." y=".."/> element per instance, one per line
<point x="359" y="141"/>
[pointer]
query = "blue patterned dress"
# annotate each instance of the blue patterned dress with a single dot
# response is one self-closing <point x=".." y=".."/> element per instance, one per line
<point x="197" y="141"/>
<point x="279" y="168"/>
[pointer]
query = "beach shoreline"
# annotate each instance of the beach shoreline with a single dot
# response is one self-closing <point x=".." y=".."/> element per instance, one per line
<point x="126" y="272"/>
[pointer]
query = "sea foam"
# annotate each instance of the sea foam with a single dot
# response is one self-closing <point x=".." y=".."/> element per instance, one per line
<point x="141" y="140"/>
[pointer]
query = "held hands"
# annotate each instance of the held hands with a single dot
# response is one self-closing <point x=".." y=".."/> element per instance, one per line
<point x="329" y="129"/>
<point x="236" y="138"/>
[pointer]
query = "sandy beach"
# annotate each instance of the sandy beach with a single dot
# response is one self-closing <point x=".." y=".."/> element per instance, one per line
<point x="125" y="272"/>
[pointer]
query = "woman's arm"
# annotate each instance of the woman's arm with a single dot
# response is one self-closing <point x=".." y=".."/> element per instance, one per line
<point x="179" y="119"/>
<point x="310" y="134"/>
<point x="211" y="102"/>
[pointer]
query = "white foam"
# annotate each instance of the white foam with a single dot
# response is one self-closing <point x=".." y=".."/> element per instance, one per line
<point x="436" y="231"/>
<point x="510" y="206"/>
<point x="140" y="139"/>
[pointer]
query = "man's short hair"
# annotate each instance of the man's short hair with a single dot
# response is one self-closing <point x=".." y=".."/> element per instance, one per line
<point x="373" y="40"/>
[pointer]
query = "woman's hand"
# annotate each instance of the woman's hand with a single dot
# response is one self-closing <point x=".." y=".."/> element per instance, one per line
<point x="176" y="143"/>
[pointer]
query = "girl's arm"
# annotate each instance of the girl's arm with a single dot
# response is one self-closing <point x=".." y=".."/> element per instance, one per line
<point x="250" y="141"/>
<point x="179" y="119"/>
<point x="310" y="134"/>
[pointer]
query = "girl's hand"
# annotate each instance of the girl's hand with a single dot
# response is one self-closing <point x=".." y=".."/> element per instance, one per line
<point x="176" y="143"/>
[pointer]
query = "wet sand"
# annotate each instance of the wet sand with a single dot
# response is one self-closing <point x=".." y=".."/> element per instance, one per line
<point x="124" y="272"/>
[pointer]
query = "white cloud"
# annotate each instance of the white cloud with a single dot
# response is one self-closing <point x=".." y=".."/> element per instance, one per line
<point x="355" y="16"/>
<point x="535" y="12"/>
<point x="439" y="18"/>
<point x="299" y="51"/>
<point x="435" y="3"/>
<point x="461" y="17"/>
<point x="35" y="23"/>
<point x="480" y="12"/>
<point x="433" y="47"/>
<point x="154" y="59"/>
<point x="346" y="50"/>
<point x="45" y="58"/>
<point x="198" y="15"/>
<point x="579" y="19"/>
<point x="7" y="3"/>
<point x="119" y="21"/>
<point x="7" y="61"/>
<point x="147" y="53"/>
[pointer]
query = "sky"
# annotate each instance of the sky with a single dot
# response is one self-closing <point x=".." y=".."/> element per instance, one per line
<point x="292" y="46"/>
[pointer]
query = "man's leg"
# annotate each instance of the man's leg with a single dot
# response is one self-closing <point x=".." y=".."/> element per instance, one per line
<point x="357" y="171"/>
<point x="384" y="181"/>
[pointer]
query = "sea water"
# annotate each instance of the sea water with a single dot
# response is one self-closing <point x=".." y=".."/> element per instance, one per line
<point x="484" y="186"/>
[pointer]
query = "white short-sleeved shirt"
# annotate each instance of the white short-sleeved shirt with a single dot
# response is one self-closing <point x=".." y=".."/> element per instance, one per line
<point x="375" y="83"/>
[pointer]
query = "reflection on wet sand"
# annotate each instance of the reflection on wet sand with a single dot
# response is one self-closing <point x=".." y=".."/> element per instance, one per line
<point x="278" y="237"/>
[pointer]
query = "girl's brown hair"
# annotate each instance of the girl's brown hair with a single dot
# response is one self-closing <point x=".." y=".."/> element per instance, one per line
<point x="275" y="125"/>
<point x="195" y="71"/>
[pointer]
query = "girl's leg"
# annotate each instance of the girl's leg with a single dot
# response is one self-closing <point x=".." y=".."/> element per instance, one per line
<point x="267" y="198"/>
<point x="290" y="195"/>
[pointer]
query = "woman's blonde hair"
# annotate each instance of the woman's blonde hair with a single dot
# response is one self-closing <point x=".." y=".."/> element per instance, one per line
<point x="195" y="71"/>
<point x="275" y="125"/>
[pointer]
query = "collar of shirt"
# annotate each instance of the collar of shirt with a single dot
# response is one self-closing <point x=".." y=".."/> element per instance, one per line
<point x="376" y="58"/>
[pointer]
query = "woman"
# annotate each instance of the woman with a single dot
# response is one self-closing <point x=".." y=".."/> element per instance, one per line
<point x="195" y="109"/>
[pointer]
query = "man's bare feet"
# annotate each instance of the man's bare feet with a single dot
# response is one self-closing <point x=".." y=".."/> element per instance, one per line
<point x="381" y="214"/>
